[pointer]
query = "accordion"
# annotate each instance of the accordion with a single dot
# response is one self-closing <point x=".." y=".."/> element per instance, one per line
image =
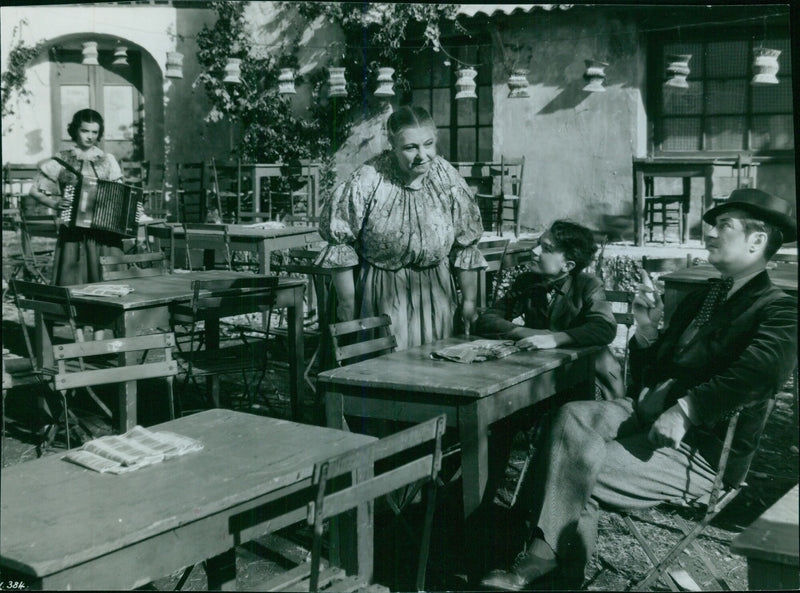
<point x="103" y="205"/>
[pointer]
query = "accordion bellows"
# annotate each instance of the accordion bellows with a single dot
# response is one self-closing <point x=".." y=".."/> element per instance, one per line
<point x="103" y="205"/>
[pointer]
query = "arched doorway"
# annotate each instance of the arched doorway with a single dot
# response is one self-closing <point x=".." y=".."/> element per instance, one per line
<point x="130" y="98"/>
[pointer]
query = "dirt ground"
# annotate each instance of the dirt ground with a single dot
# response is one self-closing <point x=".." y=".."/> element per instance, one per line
<point x="618" y="560"/>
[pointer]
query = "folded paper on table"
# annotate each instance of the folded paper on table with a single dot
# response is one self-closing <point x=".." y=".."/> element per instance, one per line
<point x="476" y="351"/>
<point x="109" y="290"/>
<point x="136" y="448"/>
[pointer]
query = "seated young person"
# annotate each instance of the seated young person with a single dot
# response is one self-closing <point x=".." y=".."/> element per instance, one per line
<point x="728" y="346"/>
<point x="560" y="304"/>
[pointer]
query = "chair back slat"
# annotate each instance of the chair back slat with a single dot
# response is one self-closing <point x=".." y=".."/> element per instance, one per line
<point x="113" y="346"/>
<point x="382" y="485"/>
<point x="376" y="347"/>
<point x="412" y="456"/>
<point x="53" y="301"/>
<point x="92" y="377"/>
<point x="349" y="327"/>
<point x="132" y="263"/>
<point x="134" y="258"/>
<point x="230" y="296"/>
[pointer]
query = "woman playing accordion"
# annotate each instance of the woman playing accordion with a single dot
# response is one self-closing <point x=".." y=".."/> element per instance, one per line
<point x="78" y="250"/>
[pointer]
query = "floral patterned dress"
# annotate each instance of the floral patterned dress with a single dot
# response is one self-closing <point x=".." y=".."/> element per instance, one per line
<point x="402" y="240"/>
<point x="78" y="251"/>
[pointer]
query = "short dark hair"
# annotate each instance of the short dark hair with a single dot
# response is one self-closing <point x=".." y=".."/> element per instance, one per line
<point x="774" y="234"/>
<point x="408" y="117"/>
<point x="89" y="116"/>
<point x="575" y="241"/>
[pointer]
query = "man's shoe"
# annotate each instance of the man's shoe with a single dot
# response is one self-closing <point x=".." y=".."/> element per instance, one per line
<point x="527" y="568"/>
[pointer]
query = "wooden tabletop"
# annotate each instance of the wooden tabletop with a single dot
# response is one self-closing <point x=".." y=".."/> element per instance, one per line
<point x="414" y="370"/>
<point x="784" y="276"/>
<point x="55" y="514"/>
<point x="247" y="231"/>
<point x="774" y="536"/>
<point x="160" y="290"/>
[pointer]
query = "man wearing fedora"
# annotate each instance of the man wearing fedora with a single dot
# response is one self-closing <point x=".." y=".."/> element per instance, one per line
<point x="729" y="345"/>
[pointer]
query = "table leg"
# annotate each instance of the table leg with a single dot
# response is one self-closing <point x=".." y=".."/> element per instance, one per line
<point x="132" y="323"/>
<point x="473" y="431"/>
<point x="708" y="197"/>
<point x="263" y="257"/>
<point x="352" y="535"/>
<point x="212" y="343"/>
<point x="334" y="410"/>
<point x="294" y="319"/>
<point x="638" y="207"/>
<point x="221" y="571"/>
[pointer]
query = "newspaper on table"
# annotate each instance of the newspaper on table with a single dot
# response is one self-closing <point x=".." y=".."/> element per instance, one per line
<point x="476" y="351"/>
<point x="104" y="290"/>
<point x="136" y="448"/>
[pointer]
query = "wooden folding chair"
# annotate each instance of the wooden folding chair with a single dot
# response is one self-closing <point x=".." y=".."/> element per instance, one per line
<point x="708" y="507"/>
<point x="136" y="265"/>
<point x="367" y="338"/>
<point x="494" y="252"/>
<point x="210" y="240"/>
<point x="508" y="194"/>
<point x="319" y="294"/>
<point x="162" y="236"/>
<point x="191" y="193"/>
<point x="410" y="457"/>
<point x="72" y="370"/>
<point x="211" y="301"/>
<point x="623" y="318"/>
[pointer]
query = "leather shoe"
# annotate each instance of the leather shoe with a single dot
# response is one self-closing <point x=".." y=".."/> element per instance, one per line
<point x="526" y="569"/>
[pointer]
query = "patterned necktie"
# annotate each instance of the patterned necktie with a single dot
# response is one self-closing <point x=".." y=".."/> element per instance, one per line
<point x="715" y="297"/>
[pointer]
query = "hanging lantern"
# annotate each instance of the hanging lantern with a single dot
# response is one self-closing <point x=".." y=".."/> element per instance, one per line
<point x="765" y="66"/>
<point x="678" y="70"/>
<point x="89" y="54"/>
<point x="174" y="67"/>
<point x="233" y="71"/>
<point x="385" y="83"/>
<point x="337" y="85"/>
<point x="596" y="75"/>
<point x="465" y="83"/>
<point x="286" y="82"/>
<point x="120" y="57"/>
<point x="518" y="84"/>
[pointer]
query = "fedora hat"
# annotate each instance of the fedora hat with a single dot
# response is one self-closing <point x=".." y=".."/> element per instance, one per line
<point x="764" y="206"/>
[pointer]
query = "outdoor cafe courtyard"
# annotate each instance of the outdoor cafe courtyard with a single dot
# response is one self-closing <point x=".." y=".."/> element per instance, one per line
<point x="212" y="404"/>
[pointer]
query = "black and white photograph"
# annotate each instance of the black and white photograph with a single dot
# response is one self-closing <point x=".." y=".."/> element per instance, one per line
<point x="392" y="297"/>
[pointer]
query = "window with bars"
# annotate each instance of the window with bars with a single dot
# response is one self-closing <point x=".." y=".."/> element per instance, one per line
<point x="464" y="126"/>
<point x="721" y="110"/>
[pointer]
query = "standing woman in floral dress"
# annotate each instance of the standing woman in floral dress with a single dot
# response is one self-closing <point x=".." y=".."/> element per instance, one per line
<point x="401" y="221"/>
<point x="78" y="250"/>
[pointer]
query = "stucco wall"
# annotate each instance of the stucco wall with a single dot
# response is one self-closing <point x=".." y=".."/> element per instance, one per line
<point x="577" y="145"/>
<point x="175" y="129"/>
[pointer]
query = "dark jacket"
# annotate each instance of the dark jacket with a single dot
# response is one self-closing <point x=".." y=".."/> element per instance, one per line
<point x="579" y="309"/>
<point x="742" y="357"/>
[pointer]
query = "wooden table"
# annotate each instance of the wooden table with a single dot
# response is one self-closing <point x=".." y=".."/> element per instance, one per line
<point x="409" y="386"/>
<point x="260" y="241"/>
<point x="678" y="284"/>
<point x="65" y="527"/>
<point x="771" y="546"/>
<point x="148" y="307"/>
<point x="684" y="168"/>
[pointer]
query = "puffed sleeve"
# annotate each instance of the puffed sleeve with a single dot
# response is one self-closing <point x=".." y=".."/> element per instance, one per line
<point x="341" y="219"/>
<point x="113" y="168"/>
<point x="467" y="224"/>
<point x="46" y="180"/>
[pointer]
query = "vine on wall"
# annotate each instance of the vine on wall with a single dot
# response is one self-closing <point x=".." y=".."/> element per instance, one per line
<point x="13" y="79"/>
<point x="270" y="130"/>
